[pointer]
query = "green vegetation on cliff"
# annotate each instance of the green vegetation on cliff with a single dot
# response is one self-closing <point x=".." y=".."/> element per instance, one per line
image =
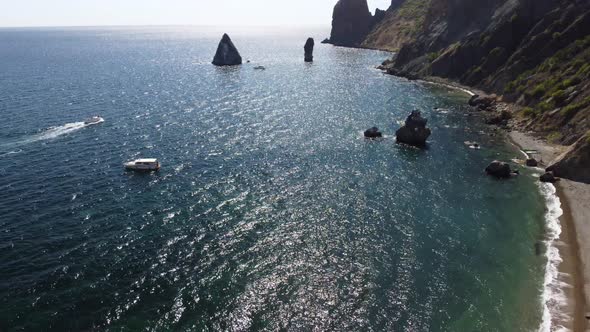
<point x="399" y="26"/>
<point x="534" y="53"/>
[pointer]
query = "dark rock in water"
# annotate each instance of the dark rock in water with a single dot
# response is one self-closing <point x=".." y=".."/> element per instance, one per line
<point x="499" y="169"/>
<point x="326" y="41"/>
<point x="259" y="68"/>
<point x="373" y="133"/>
<point x="532" y="162"/>
<point x="351" y="22"/>
<point x="414" y="132"/>
<point x="549" y="177"/>
<point x="227" y="54"/>
<point x="309" y="44"/>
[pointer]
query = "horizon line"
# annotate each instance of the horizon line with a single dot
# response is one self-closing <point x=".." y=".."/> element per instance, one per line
<point x="165" y="25"/>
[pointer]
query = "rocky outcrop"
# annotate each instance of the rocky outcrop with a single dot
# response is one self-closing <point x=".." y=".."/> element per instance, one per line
<point x="574" y="164"/>
<point x="351" y="22"/>
<point x="499" y="169"/>
<point x="414" y="132"/>
<point x="499" y="119"/>
<point x="481" y="101"/>
<point x="373" y="133"/>
<point x="548" y="177"/>
<point x="308" y="48"/>
<point x="227" y="54"/>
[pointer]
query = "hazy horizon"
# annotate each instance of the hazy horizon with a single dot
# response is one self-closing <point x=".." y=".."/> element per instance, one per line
<point x="95" y="13"/>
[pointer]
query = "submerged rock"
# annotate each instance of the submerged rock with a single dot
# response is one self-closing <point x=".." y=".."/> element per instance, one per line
<point x="499" y="169"/>
<point x="308" y="48"/>
<point x="227" y="54"/>
<point x="373" y="133"/>
<point x="414" y="132"/>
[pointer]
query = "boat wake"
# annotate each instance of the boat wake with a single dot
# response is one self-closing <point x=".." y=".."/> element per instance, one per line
<point x="45" y="135"/>
<point x="553" y="297"/>
<point x="54" y="132"/>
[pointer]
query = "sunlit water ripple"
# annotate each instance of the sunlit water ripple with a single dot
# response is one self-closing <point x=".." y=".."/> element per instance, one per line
<point x="271" y="211"/>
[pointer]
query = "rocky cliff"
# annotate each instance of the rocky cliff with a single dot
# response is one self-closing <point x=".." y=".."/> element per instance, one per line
<point x="351" y="22"/>
<point x="535" y="53"/>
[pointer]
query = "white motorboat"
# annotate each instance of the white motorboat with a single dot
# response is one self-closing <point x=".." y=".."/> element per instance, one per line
<point x="143" y="165"/>
<point x="94" y="120"/>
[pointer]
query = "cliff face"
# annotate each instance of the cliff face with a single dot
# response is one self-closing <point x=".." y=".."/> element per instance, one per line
<point x="351" y="21"/>
<point x="532" y="52"/>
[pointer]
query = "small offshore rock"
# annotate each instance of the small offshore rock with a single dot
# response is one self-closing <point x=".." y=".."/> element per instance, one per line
<point x="414" y="132"/>
<point x="259" y="68"/>
<point x="532" y="162"/>
<point x="373" y="133"/>
<point x="549" y="177"/>
<point x="499" y="169"/>
<point x="308" y="48"/>
<point x="227" y="54"/>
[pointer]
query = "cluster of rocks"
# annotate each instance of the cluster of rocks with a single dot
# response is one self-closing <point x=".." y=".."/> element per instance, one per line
<point x="414" y="132"/>
<point x="228" y="55"/>
<point x="502" y="170"/>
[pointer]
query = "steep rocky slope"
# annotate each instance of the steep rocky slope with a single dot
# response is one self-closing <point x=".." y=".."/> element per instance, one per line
<point x="535" y="53"/>
<point x="401" y="24"/>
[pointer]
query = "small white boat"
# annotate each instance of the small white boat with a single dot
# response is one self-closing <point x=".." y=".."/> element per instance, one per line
<point x="145" y="165"/>
<point x="94" y="120"/>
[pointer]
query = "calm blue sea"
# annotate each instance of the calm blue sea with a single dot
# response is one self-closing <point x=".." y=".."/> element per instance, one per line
<point x="271" y="212"/>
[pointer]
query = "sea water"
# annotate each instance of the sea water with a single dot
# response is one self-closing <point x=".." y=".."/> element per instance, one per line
<point x="271" y="210"/>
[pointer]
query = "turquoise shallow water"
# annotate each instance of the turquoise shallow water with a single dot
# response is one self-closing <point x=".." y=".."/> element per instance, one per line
<point x="271" y="211"/>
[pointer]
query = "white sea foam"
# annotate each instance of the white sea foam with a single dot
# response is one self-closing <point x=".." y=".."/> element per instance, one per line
<point x="554" y="298"/>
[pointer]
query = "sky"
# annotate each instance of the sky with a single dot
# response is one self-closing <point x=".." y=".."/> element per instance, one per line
<point x="32" y="13"/>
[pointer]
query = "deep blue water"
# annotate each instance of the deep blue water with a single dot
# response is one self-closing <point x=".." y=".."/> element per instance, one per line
<point x="271" y="211"/>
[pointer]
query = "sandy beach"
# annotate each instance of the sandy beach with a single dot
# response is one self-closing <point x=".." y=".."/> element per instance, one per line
<point x="574" y="270"/>
<point x="574" y="249"/>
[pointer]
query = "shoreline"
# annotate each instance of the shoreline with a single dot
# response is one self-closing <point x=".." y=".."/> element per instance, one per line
<point x="572" y="277"/>
<point x="568" y="294"/>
